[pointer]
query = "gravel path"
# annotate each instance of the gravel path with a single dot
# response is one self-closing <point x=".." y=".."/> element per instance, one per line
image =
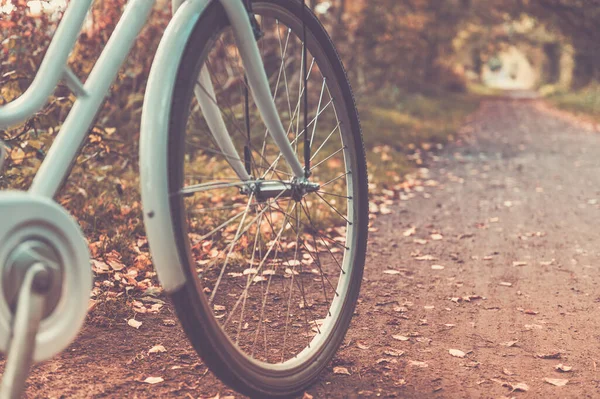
<point x="500" y="269"/>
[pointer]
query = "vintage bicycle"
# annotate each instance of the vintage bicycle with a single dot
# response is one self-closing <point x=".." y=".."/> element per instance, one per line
<point x="254" y="191"/>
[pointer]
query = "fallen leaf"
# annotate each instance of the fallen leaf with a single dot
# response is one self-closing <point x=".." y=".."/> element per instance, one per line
<point x="437" y="237"/>
<point x="415" y="363"/>
<point x="99" y="267"/>
<point x="561" y="367"/>
<point x="134" y="323"/>
<point x="400" y="338"/>
<point x="169" y="323"/>
<point x="219" y="308"/>
<point x="557" y="382"/>
<point x="341" y="370"/>
<point x="509" y="343"/>
<point x="456" y="353"/>
<point x="362" y="346"/>
<point x="437" y="267"/>
<point x="505" y="284"/>
<point x="157" y="349"/>
<point x="531" y="312"/>
<point x="521" y="386"/>
<point x="116" y="265"/>
<point x="394" y="352"/>
<point x="391" y="272"/>
<point x="307" y="396"/>
<point x="410" y="232"/>
<point x="153" y="380"/>
<point x="533" y="327"/>
<point x="17" y="155"/>
<point x="547" y="263"/>
<point x="519" y="263"/>
<point x="426" y="257"/>
<point x="429" y="307"/>
<point x="420" y="241"/>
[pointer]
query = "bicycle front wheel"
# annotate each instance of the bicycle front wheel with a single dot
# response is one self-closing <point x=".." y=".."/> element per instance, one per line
<point x="273" y="267"/>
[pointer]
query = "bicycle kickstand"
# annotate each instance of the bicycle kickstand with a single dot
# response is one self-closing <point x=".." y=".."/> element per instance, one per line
<point x="2" y="154"/>
<point x="29" y="312"/>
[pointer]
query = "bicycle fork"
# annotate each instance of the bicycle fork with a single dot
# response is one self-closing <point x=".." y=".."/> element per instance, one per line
<point x="259" y="85"/>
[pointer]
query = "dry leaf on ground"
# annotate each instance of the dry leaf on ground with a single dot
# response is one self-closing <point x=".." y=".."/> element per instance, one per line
<point x="533" y="327"/>
<point x="134" y="323"/>
<point x="416" y="363"/>
<point x="561" y="367"/>
<point x="519" y="263"/>
<point x="362" y="346"/>
<point x="410" y="232"/>
<point x="400" y="338"/>
<point x="437" y="237"/>
<point x="456" y="353"/>
<point x="157" y="349"/>
<point x="394" y="352"/>
<point x="426" y="257"/>
<point x="505" y="284"/>
<point x="521" y="386"/>
<point x="153" y="380"/>
<point x="391" y="272"/>
<point x="437" y="267"/>
<point x="557" y="382"/>
<point x="341" y="370"/>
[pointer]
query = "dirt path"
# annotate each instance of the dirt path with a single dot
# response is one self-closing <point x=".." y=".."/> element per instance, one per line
<point x="518" y="206"/>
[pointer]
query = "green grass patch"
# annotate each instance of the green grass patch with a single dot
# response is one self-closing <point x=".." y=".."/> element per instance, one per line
<point x="584" y="101"/>
<point x="395" y="128"/>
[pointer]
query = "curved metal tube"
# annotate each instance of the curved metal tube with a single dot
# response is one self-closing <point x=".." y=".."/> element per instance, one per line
<point x="258" y="82"/>
<point x="52" y="68"/>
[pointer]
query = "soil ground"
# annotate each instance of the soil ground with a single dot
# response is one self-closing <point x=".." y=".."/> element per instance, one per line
<point x="514" y="209"/>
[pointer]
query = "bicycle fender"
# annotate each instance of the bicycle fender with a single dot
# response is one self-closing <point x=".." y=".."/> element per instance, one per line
<point x="153" y="144"/>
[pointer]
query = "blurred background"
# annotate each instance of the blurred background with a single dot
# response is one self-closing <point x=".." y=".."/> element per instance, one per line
<point x="418" y="69"/>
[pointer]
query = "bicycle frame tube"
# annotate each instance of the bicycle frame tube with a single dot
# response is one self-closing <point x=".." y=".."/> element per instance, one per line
<point x="258" y="82"/>
<point x="74" y="130"/>
<point x="52" y="68"/>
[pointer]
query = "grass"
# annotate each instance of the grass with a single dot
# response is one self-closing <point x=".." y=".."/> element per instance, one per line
<point x="584" y="101"/>
<point x="395" y="129"/>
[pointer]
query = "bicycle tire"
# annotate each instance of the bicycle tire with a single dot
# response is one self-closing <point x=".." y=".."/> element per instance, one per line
<point x="219" y="353"/>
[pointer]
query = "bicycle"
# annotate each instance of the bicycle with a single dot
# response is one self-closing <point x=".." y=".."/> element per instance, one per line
<point x="254" y="191"/>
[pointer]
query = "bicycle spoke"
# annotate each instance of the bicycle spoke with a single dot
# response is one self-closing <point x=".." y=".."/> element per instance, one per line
<point x="328" y="158"/>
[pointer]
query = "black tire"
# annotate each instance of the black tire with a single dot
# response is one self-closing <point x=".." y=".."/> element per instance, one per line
<point x="218" y="352"/>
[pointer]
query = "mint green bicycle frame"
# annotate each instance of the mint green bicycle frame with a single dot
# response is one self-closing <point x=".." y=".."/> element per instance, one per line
<point x="156" y="110"/>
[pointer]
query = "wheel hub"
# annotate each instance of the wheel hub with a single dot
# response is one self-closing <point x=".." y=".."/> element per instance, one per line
<point x="295" y="189"/>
